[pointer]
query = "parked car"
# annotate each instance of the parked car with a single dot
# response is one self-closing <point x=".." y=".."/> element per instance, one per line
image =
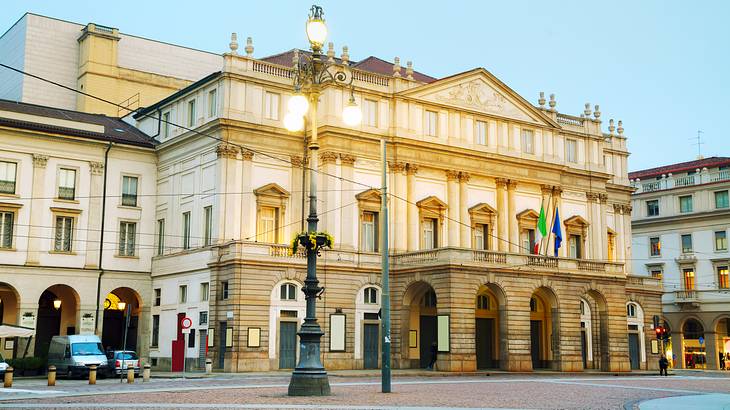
<point x="72" y="355"/>
<point x="3" y="365"/>
<point x="119" y="360"/>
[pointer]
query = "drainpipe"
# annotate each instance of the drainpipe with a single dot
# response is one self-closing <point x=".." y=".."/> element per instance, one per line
<point x="101" y="236"/>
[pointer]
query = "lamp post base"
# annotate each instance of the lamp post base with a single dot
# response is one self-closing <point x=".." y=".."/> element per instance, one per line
<point x="309" y="383"/>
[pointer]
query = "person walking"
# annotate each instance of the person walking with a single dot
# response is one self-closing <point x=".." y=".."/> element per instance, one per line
<point x="434" y="353"/>
<point x="663" y="364"/>
<point x="722" y="361"/>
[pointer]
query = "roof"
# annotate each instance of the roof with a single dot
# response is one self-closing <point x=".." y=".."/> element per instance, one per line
<point x="371" y="64"/>
<point x="93" y="126"/>
<point x="681" y="167"/>
<point x="146" y="110"/>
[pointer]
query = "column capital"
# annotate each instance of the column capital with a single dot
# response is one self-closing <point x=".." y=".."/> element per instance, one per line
<point x="40" y="161"/>
<point x="464" y="177"/>
<point x="411" y="169"/>
<point x="347" y="159"/>
<point x="297" y="161"/>
<point x="592" y="196"/>
<point x="225" y="150"/>
<point x="501" y="182"/>
<point x="452" y="175"/>
<point x="247" y="155"/>
<point x="603" y="198"/>
<point x="96" y="168"/>
<point x="397" y="167"/>
<point x="557" y="190"/>
<point x="546" y="189"/>
<point x="327" y="157"/>
<point x="617" y="208"/>
<point x="627" y="209"/>
<point x="511" y="184"/>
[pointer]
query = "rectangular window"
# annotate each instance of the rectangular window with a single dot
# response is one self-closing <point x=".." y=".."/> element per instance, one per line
<point x="183" y="294"/>
<point x="571" y="150"/>
<point x="155" y="330"/>
<point x="656" y="273"/>
<point x="158" y="296"/>
<point x="528" y="141"/>
<point x="481" y="236"/>
<point x="7" y="177"/>
<point x="208" y="228"/>
<point x="160" y="236"/>
<point x="369" y="232"/>
<point x="224" y="290"/>
<point x="430" y="233"/>
<point x="685" y="203"/>
<point x="66" y="183"/>
<point x="370" y="113"/>
<point x="689" y="278"/>
<point x="129" y="191"/>
<point x="721" y="200"/>
<point x="655" y="247"/>
<point x="527" y="237"/>
<point x="127" y="234"/>
<point x="203" y="317"/>
<point x="652" y="208"/>
<point x="268" y="225"/>
<point x="191" y="338"/>
<point x="271" y="106"/>
<point x="166" y="124"/>
<point x="575" y="242"/>
<point x="186" y="230"/>
<point x="721" y="241"/>
<point x="204" y="291"/>
<point x="431" y="126"/>
<point x="723" y="281"/>
<point x="687" y="243"/>
<point x="6" y="230"/>
<point x="480" y="134"/>
<point x="64" y="234"/>
<point x="212" y="103"/>
<point x="191" y="113"/>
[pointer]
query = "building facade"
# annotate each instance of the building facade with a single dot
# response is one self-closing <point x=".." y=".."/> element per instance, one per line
<point x="680" y="222"/>
<point x="66" y="177"/>
<point x="470" y="165"/>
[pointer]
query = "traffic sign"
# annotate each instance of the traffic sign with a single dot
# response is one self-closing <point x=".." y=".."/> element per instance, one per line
<point x="702" y="340"/>
<point x="186" y="323"/>
<point x="186" y="331"/>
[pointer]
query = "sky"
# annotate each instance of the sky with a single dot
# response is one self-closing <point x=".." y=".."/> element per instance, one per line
<point x="660" y="66"/>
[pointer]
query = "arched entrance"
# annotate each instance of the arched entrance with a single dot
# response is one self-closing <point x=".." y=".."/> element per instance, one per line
<point x="489" y="320"/>
<point x="420" y="315"/>
<point x="543" y="328"/>
<point x="9" y="305"/>
<point x="117" y="304"/>
<point x="57" y="315"/>
<point x="722" y="331"/>
<point x="586" y="334"/>
<point x="594" y="330"/>
<point x="367" y="326"/>
<point x="635" y="326"/>
<point x="693" y="344"/>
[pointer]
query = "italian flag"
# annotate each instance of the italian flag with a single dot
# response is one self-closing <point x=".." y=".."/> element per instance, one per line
<point x="541" y="230"/>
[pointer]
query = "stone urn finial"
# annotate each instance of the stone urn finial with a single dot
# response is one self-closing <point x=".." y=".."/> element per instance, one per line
<point x="552" y="102"/>
<point x="233" y="45"/>
<point x="331" y="52"/>
<point x="620" y="128"/>
<point x="409" y="70"/>
<point x="596" y="112"/>
<point x="345" y="56"/>
<point x="396" y="67"/>
<point x="611" y="127"/>
<point x="249" y="47"/>
<point x="587" y="111"/>
<point x="541" y="100"/>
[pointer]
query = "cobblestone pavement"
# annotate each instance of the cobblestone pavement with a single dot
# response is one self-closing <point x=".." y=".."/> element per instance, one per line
<point x="504" y="391"/>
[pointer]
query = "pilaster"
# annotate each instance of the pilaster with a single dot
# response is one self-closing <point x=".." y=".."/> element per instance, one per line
<point x="399" y="221"/>
<point x="348" y="213"/>
<point x="36" y="209"/>
<point x="329" y="191"/>
<point x="465" y="226"/>
<point x="412" y="240"/>
<point x="96" y="191"/>
<point x="618" y="218"/>
<point x="230" y="221"/>
<point x="514" y="235"/>
<point x="248" y="205"/>
<point x="452" y="184"/>
<point x="502" y="211"/>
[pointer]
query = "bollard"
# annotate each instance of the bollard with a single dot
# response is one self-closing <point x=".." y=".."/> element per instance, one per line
<point x="208" y="366"/>
<point x="92" y="374"/>
<point x="51" y="375"/>
<point x="8" y="382"/>
<point x="130" y="373"/>
<point x="146" y="373"/>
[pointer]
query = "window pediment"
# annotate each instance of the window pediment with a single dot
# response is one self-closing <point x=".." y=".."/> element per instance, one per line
<point x="369" y="200"/>
<point x="527" y="219"/>
<point x="482" y="213"/>
<point x="271" y="195"/>
<point x="432" y="207"/>
<point x="576" y="225"/>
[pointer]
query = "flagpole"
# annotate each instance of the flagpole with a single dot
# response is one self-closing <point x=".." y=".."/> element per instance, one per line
<point x="552" y="220"/>
<point x="547" y="236"/>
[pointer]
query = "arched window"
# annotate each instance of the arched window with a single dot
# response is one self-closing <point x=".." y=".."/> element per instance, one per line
<point x="631" y="310"/>
<point x="288" y="291"/>
<point x="582" y="307"/>
<point x="483" y="302"/>
<point x="533" y="305"/>
<point x="371" y="296"/>
<point x="429" y="299"/>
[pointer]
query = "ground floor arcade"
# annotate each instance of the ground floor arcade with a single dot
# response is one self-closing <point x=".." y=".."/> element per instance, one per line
<point x="698" y="340"/>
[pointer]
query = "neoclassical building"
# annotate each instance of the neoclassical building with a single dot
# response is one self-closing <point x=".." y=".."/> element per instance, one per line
<point x="680" y="221"/>
<point x="470" y="163"/>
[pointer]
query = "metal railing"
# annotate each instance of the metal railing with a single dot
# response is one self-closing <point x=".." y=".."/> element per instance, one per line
<point x="685" y="295"/>
<point x="570" y="120"/>
<point x="545" y="261"/>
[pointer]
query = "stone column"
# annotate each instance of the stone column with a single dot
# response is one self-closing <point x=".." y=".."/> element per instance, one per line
<point x="502" y="211"/>
<point x="398" y="206"/>
<point x="627" y="231"/>
<point x="248" y="205"/>
<point x="96" y="191"/>
<point x="36" y="210"/>
<point x="328" y="192"/>
<point x="678" y="348"/>
<point x="595" y="226"/>
<point x="517" y="330"/>
<point x="713" y="363"/>
<point x="619" y="221"/>
<point x="348" y="218"/>
<point x="227" y="154"/>
<point x="295" y="215"/>
<point x="464" y="227"/>
<point x="412" y="240"/>
<point x="603" y="199"/>
<point x="452" y="185"/>
<point x="30" y="308"/>
<point x="514" y="234"/>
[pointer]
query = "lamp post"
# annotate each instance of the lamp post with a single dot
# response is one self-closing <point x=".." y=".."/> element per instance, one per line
<point x="311" y="75"/>
<point x="125" y="308"/>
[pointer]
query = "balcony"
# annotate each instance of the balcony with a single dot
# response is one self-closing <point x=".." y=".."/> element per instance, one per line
<point x="669" y="181"/>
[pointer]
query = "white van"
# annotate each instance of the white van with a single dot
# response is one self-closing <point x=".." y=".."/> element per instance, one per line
<point x="72" y="355"/>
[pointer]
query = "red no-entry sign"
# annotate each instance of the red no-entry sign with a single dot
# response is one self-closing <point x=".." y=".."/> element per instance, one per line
<point x="186" y="323"/>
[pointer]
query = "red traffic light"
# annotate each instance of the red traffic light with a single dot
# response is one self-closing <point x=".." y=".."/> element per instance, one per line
<point x="660" y="331"/>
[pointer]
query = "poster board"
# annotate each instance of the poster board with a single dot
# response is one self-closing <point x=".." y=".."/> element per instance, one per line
<point x="254" y="337"/>
<point x="444" y="333"/>
<point x="337" y="332"/>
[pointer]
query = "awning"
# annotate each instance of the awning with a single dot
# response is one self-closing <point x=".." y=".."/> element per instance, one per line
<point x="15" y="331"/>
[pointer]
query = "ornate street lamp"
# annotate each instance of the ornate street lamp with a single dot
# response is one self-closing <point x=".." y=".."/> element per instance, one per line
<point x="311" y="75"/>
<point x="57" y="304"/>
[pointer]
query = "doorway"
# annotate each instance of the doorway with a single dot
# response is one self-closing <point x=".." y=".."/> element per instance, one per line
<point x="371" y="343"/>
<point x="634" y="351"/>
<point x="287" y="345"/>
<point x="222" y="345"/>
<point x="429" y="331"/>
<point x="535" y="345"/>
<point x="485" y="343"/>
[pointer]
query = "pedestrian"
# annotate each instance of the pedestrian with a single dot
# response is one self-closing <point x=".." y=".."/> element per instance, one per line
<point x="663" y="364"/>
<point x="722" y="361"/>
<point x="434" y="353"/>
<point x="727" y="358"/>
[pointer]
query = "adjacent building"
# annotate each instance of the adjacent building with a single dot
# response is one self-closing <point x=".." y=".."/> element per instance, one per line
<point x="680" y="221"/>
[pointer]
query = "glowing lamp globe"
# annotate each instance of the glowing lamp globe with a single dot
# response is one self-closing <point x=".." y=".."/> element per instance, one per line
<point x="121" y="305"/>
<point x="293" y="122"/>
<point x="316" y="31"/>
<point x="57" y="304"/>
<point x="352" y="115"/>
<point x="298" y="105"/>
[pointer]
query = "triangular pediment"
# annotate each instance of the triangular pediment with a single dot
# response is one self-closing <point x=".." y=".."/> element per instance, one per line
<point x="271" y="189"/>
<point x="482" y="208"/>
<point x="478" y="90"/>
<point x="528" y="215"/>
<point x="576" y="220"/>
<point x="432" y="202"/>
<point x="372" y="195"/>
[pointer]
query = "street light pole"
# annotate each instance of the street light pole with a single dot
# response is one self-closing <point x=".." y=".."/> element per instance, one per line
<point x="126" y="309"/>
<point x="385" y="301"/>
